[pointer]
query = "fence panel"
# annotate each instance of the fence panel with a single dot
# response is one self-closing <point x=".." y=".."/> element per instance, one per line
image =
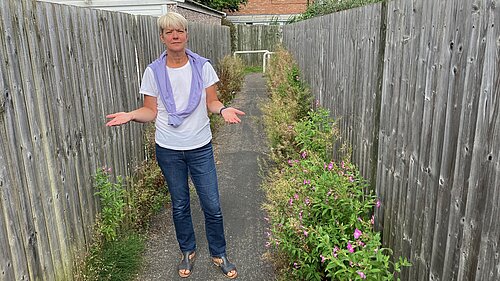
<point x="339" y="57"/>
<point x="437" y="171"/>
<point x="62" y="69"/>
<point x="256" y="37"/>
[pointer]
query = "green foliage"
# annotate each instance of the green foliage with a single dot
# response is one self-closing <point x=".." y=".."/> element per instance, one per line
<point x="226" y="5"/>
<point x="319" y="212"/>
<point x="231" y="76"/>
<point x="316" y="133"/>
<point x="290" y="101"/>
<point x="320" y="8"/>
<point x="148" y="192"/>
<point x="116" y="260"/>
<point x="253" y="69"/>
<point x="112" y="198"/>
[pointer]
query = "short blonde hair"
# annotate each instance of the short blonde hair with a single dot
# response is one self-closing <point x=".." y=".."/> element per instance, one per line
<point x="172" y="20"/>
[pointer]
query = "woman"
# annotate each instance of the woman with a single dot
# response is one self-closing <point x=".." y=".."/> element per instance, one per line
<point x="185" y="84"/>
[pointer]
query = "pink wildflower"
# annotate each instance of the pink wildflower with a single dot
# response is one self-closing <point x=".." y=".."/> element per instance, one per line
<point x="296" y="196"/>
<point x="372" y="220"/>
<point x="357" y="233"/>
<point x="323" y="259"/>
<point x="334" y="252"/>
<point x="330" y="166"/>
<point x="304" y="154"/>
<point x="378" y="203"/>
<point x="290" y="202"/>
<point x="350" y="247"/>
<point x="305" y="233"/>
<point x="307" y="201"/>
<point x="361" y="274"/>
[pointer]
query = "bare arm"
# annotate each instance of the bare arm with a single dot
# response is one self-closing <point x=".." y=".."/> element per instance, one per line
<point x="229" y="114"/>
<point x="146" y="113"/>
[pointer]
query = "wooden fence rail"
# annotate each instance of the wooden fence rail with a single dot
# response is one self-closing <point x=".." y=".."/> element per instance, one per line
<point x="62" y="69"/>
<point x="416" y="85"/>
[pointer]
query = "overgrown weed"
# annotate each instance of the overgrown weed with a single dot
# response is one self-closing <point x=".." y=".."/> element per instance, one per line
<point x="320" y="214"/>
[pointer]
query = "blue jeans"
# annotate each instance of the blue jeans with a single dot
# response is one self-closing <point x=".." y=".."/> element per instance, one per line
<point x="199" y="163"/>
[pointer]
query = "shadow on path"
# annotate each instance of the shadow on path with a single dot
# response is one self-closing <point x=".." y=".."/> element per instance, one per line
<point x="237" y="149"/>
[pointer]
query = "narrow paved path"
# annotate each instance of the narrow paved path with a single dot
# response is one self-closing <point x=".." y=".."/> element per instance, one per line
<point x="238" y="149"/>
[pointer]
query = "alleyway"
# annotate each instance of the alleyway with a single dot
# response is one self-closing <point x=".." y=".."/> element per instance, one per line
<point x="238" y="149"/>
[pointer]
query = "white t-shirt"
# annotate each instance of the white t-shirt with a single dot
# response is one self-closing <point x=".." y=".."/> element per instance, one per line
<point x="194" y="132"/>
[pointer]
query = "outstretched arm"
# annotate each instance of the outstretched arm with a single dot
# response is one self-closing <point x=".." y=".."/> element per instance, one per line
<point x="146" y="113"/>
<point x="229" y="114"/>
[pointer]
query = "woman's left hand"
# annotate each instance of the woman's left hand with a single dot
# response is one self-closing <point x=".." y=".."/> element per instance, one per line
<point x="230" y="115"/>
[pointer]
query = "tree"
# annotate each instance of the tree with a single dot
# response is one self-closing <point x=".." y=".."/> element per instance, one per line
<point x="227" y="5"/>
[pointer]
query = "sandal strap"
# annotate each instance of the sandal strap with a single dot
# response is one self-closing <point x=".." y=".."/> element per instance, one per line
<point x="186" y="262"/>
<point x="226" y="266"/>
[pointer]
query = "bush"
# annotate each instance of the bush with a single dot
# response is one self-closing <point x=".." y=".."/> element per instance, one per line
<point x="321" y="222"/>
<point x="231" y="76"/>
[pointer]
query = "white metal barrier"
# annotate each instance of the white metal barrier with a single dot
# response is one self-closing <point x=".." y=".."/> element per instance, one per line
<point x="265" y="57"/>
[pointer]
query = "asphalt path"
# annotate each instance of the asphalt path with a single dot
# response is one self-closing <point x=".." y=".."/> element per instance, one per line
<point x="239" y="149"/>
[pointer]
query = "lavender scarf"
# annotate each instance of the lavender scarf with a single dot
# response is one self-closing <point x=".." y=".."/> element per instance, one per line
<point x="175" y="118"/>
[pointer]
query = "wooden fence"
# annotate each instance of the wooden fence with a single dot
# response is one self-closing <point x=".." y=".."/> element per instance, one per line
<point x="62" y="69"/>
<point x="256" y="37"/>
<point x="416" y="88"/>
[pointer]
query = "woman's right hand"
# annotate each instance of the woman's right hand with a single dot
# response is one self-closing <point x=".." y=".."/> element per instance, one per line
<point x="119" y="118"/>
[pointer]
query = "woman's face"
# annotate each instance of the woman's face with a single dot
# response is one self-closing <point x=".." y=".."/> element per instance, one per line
<point x="175" y="39"/>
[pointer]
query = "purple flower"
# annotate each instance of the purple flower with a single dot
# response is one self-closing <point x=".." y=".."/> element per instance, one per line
<point x="323" y="259"/>
<point x="300" y="215"/>
<point x="334" y="252"/>
<point x="303" y="154"/>
<point x="290" y="202"/>
<point x="343" y="164"/>
<point x="307" y="182"/>
<point x="295" y="265"/>
<point x="361" y="274"/>
<point x="307" y="201"/>
<point x="378" y="203"/>
<point x="372" y="220"/>
<point x="290" y="162"/>
<point x="350" y="247"/>
<point x="351" y="179"/>
<point x="357" y="233"/>
<point x="306" y="233"/>
<point x="330" y="166"/>
<point x="296" y="196"/>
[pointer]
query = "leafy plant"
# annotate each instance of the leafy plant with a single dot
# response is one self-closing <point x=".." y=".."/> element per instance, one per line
<point x="319" y="210"/>
<point x="112" y="198"/>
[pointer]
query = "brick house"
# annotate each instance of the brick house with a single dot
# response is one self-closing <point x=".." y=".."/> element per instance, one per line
<point x="268" y="11"/>
<point x="191" y="10"/>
